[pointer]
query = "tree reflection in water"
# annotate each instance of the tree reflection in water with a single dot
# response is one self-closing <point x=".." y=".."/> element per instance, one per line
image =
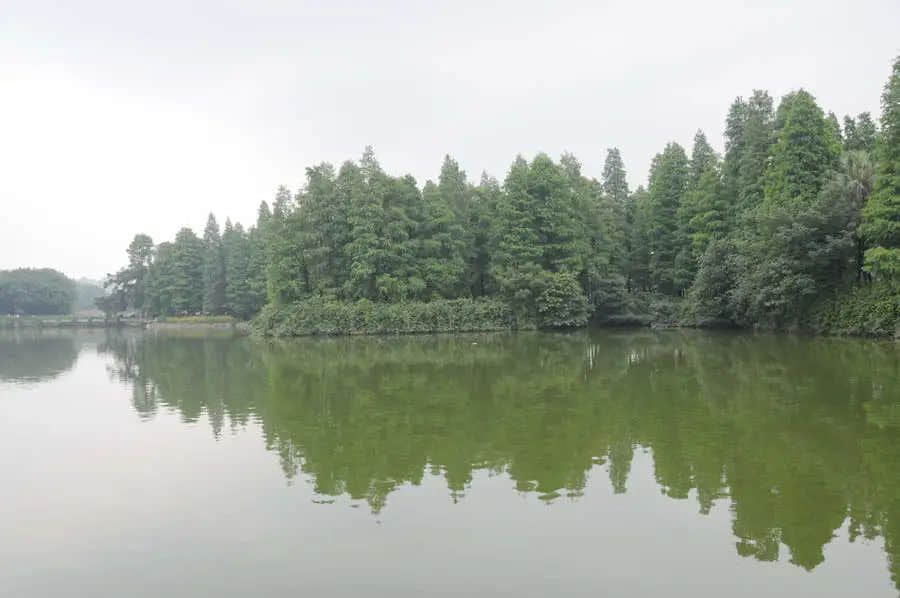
<point x="801" y="435"/>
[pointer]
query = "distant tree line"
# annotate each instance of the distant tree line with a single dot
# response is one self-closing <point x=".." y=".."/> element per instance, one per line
<point x="801" y="207"/>
<point x="35" y="291"/>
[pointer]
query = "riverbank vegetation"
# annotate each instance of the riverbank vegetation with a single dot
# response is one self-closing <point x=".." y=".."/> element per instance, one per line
<point x="796" y="226"/>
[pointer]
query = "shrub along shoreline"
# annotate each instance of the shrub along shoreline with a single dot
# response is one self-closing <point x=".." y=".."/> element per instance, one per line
<point x="872" y="311"/>
<point x="330" y="317"/>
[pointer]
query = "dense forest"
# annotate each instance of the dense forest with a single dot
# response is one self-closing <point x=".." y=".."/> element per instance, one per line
<point x="797" y="225"/>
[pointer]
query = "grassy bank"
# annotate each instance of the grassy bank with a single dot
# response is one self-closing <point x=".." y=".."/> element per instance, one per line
<point x="329" y="317"/>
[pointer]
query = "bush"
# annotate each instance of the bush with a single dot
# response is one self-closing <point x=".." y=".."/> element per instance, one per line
<point x="323" y="316"/>
<point x="871" y="310"/>
<point x="562" y="303"/>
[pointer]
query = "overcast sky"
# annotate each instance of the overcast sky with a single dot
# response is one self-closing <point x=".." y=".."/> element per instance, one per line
<point x="121" y="117"/>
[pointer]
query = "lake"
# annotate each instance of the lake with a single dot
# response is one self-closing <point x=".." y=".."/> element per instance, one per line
<point x="597" y="463"/>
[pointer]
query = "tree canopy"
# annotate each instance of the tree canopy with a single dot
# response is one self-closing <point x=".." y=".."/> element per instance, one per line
<point x="800" y="205"/>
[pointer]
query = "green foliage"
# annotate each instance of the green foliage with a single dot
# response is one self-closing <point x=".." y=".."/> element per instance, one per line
<point x="795" y="253"/>
<point x="804" y="151"/>
<point x="321" y="316"/>
<point x="859" y="133"/>
<point x="443" y="245"/>
<point x="127" y="288"/>
<point x="669" y="179"/>
<point x="615" y="183"/>
<point x="637" y="260"/>
<point x="187" y="267"/>
<point x="562" y="303"/>
<point x="758" y="238"/>
<point x="709" y="297"/>
<point x="702" y="214"/>
<point x="749" y="134"/>
<point x="213" y="268"/>
<point x="35" y="291"/>
<point x="881" y="215"/>
<point x="870" y="310"/>
<point x="237" y="252"/>
<point x="285" y="267"/>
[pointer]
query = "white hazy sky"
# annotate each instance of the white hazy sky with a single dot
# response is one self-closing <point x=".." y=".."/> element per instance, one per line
<point x="120" y="117"/>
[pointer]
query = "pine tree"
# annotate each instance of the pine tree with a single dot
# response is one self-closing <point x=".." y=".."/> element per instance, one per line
<point x="325" y="231"/>
<point x="805" y="151"/>
<point x="703" y="213"/>
<point x="286" y="275"/>
<point x="881" y="216"/>
<point x="758" y="138"/>
<point x="615" y="183"/>
<point x="613" y="208"/>
<point x="482" y="224"/>
<point x="637" y="264"/>
<point x="213" y="268"/>
<point x="517" y="267"/>
<point x="362" y="187"/>
<point x="442" y="247"/>
<point x="186" y="274"/>
<point x="835" y="126"/>
<point x="866" y="132"/>
<point x="859" y="133"/>
<point x="239" y="300"/>
<point x="668" y="185"/>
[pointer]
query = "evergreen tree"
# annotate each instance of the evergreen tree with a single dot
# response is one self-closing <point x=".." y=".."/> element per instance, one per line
<point x="758" y="138"/>
<point x="703" y="213"/>
<point x="257" y="279"/>
<point x="615" y="183"/>
<point x="186" y="282"/>
<point x="867" y="134"/>
<point x="668" y="185"/>
<point x="129" y="285"/>
<point x="325" y="231"/>
<point x="610" y="201"/>
<point x="161" y="281"/>
<point x="442" y="262"/>
<point x="517" y="267"/>
<point x="213" y="268"/>
<point x="637" y="264"/>
<point x="363" y="185"/>
<point x="748" y="137"/>
<point x="481" y="224"/>
<point x="805" y="151"/>
<point x="286" y="275"/>
<point x="881" y="216"/>
<point x="835" y="127"/>
<point x="398" y="273"/>
<point x="239" y="300"/>
<point x="859" y="133"/>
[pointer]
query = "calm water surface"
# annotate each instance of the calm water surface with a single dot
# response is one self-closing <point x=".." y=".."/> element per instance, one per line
<point x="590" y="464"/>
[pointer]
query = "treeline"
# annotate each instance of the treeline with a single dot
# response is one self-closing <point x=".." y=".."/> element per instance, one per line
<point x="220" y="273"/>
<point x="36" y="291"/>
<point x="797" y="224"/>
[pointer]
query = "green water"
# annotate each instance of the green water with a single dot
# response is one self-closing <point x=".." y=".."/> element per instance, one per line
<point x="588" y="464"/>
